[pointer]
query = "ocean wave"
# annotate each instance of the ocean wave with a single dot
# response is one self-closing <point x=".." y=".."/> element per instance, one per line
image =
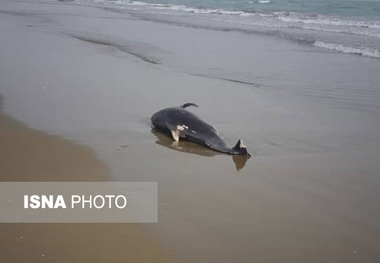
<point x="187" y="9"/>
<point x="270" y="19"/>
<point x="362" y="51"/>
<point x="328" y="24"/>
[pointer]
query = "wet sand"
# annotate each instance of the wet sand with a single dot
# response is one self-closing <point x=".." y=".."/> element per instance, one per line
<point x="28" y="155"/>
<point x="94" y="76"/>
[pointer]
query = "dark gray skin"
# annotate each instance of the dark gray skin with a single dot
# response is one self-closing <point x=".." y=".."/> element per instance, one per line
<point x="183" y="124"/>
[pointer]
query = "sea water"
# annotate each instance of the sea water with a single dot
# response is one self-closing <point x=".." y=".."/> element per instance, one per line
<point x="345" y="26"/>
<point x="364" y="8"/>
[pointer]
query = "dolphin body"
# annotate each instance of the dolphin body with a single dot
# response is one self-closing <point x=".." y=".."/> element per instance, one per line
<point x="181" y="123"/>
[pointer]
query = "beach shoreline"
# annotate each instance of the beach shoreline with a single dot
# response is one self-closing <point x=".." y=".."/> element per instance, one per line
<point x="79" y="84"/>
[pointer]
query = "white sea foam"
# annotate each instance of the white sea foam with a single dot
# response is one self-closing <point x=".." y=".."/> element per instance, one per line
<point x="363" y="51"/>
<point x="260" y="2"/>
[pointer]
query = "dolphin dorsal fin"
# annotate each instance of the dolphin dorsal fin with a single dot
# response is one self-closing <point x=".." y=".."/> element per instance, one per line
<point x="188" y="105"/>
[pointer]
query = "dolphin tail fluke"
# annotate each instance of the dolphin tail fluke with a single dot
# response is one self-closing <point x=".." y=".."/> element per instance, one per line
<point x="188" y="105"/>
<point x="240" y="149"/>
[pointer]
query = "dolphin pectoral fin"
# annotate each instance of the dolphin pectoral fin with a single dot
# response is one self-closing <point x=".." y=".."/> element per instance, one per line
<point x="177" y="131"/>
<point x="180" y="132"/>
<point x="175" y="135"/>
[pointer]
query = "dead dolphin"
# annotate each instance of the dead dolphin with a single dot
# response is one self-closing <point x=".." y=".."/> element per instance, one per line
<point x="181" y="123"/>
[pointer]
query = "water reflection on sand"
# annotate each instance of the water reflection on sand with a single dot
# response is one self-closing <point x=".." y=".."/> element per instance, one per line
<point x="189" y="147"/>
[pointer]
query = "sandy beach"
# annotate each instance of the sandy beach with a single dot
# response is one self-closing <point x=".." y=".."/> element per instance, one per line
<point x="28" y="155"/>
<point x="79" y="84"/>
